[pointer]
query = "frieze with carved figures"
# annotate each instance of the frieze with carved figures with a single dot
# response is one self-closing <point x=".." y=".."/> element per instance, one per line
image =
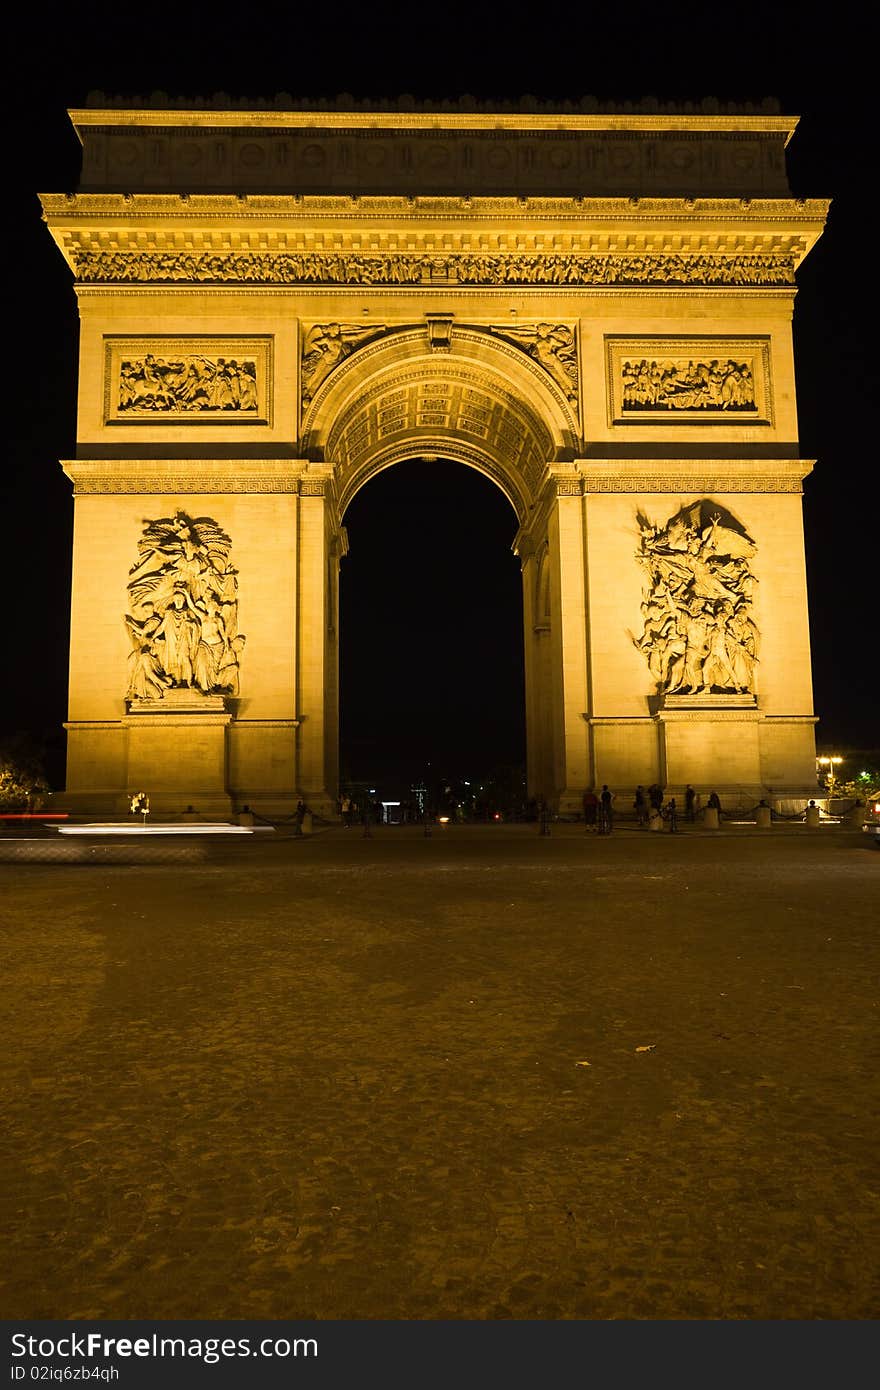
<point x="501" y="268"/>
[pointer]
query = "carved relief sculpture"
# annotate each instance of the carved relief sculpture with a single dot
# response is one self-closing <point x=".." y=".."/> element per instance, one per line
<point x="328" y="344"/>
<point x="401" y="268"/>
<point x="188" y="383"/>
<point x="677" y="384"/>
<point x="674" y="380"/>
<point x="183" y="619"/>
<point x="197" y="380"/>
<point x="553" y="346"/>
<point x="698" y="634"/>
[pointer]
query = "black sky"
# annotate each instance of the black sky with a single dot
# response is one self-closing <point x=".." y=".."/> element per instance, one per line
<point x="817" y="71"/>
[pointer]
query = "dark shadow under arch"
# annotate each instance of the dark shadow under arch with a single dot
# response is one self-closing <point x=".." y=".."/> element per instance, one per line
<point x="431" y="645"/>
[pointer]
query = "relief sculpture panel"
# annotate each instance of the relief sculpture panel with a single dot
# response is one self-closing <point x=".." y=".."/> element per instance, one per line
<point x="199" y="381"/>
<point x="325" y="345"/>
<point x="669" y="380"/>
<point x="183" y="618"/>
<point x="698" y="634"/>
<point x="553" y="345"/>
<point x="417" y="268"/>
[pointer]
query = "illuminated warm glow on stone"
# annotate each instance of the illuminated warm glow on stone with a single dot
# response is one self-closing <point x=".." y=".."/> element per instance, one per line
<point x="257" y="343"/>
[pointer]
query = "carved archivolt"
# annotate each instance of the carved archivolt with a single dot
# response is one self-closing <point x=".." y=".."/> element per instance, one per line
<point x="452" y="400"/>
<point x="183" y="618"/>
<point x="330" y="346"/>
<point x="150" y="379"/>
<point x="698" y="634"/>
<point x="402" y="268"/>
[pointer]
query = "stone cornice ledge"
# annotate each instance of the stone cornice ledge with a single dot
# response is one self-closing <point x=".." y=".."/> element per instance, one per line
<point x="401" y="121"/>
<point x="200" y="476"/>
<point x="690" y="475"/>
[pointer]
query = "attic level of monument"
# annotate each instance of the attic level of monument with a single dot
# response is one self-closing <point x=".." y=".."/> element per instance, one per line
<point x="434" y="152"/>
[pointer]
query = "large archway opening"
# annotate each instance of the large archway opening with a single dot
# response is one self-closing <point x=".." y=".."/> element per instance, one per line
<point x="431" y="642"/>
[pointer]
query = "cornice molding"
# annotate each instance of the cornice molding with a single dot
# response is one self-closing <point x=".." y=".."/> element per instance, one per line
<point x="758" y="123"/>
<point x="161" y="476"/>
<point x="450" y="293"/>
<point x="198" y="235"/>
<point x="246" y="207"/>
<point x="685" y="476"/>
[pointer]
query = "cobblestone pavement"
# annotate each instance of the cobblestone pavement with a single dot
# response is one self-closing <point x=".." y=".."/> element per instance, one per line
<point x="482" y="1075"/>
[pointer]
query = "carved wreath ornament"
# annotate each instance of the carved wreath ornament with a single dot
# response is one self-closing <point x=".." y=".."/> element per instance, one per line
<point x="183" y="618"/>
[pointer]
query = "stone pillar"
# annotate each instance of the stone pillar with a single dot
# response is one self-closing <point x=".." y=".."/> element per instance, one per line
<point x="178" y="754"/>
<point x="571" y="769"/>
<point x="538" y="667"/>
<point x="317" y="699"/>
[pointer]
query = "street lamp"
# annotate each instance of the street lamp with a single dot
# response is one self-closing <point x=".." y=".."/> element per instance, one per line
<point x="827" y="764"/>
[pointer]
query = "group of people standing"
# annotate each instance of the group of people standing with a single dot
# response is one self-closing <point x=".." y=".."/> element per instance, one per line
<point x="598" y="810"/>
<point x="649" y="806"/>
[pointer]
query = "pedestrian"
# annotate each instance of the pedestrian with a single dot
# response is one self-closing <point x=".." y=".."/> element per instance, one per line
<point x="605" y="800"/>
<point x="690" y="802"/>
<point x="299" y="816"/>
<point x="346" y="812"/>
<point x="714" y="802"/>
<point x="591" y="809"/>
<point x="655" y="796"/>
<point x="640" y="806"/>
<point x="671" y="815"/>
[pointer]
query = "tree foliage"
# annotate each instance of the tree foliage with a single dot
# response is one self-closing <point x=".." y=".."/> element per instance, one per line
<point x="23" y="780"/>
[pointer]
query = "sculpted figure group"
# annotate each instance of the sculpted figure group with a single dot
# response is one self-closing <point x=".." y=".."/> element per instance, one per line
<point x="698" y="634"/>
<point x="328" y="344"/>
<point x="183" y="622"/>
<point x="189" y="384"/>
<point x="416" y="268"/>
<point x="551" y="344"/>
<point x="677" y="384"/>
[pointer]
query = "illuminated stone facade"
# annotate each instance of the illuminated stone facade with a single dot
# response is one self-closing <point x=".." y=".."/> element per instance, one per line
<point x="592" y="310"/>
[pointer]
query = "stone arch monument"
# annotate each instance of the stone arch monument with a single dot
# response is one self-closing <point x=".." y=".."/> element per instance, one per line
<point x="594" y="310"/>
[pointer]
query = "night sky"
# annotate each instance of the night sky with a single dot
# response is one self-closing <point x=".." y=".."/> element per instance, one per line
<point x="431" y="542"/>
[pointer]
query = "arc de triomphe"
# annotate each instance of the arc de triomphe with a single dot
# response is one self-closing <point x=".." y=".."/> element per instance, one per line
<point x="593" y="310"/>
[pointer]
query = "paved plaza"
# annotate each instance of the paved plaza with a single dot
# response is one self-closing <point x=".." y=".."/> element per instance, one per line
<point x="481" y="1074"/>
